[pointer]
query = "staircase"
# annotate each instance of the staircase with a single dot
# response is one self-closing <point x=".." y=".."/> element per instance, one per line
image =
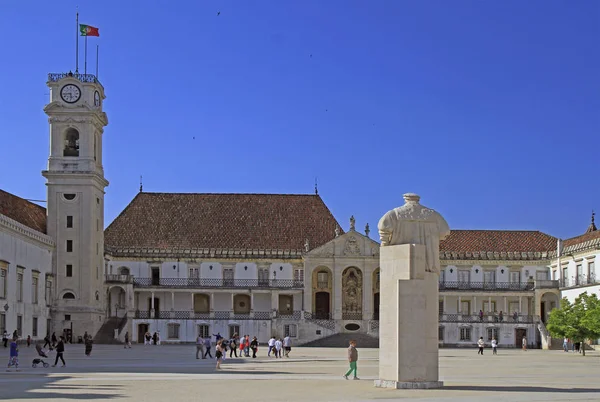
<point x="547" y="341"/>
<point x="343" y="340"/>
<point x="106" y="333"/>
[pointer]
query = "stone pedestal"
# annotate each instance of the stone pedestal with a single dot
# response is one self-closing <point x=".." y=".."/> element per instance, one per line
<point x="408" y="320"/>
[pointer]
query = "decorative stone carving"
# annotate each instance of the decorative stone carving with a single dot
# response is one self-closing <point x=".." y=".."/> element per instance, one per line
<point x="367" y="230"/>
<point x="352" y="246"/>
<point x="414" y="223"/>
<point x="352" y="223"/>
<point x="337" y="230"/>
<point x="306" y="246"/>
<point x="352" y="290"/>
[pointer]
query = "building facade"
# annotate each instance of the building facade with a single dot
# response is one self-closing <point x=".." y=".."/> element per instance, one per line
<point x="186" y="265"/>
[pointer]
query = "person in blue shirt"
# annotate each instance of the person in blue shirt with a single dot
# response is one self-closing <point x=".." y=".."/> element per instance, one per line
<point x="13" y="359"/>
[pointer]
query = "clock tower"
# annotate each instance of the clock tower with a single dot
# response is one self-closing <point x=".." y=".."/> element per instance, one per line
<point x="75" y="180"/>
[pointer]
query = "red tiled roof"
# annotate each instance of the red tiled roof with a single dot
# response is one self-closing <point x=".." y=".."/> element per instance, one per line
<point x="500" y="241"/>
<point x="582" y="238"/>
<point x="23" y="211"/>
<point x="222" y="221"/>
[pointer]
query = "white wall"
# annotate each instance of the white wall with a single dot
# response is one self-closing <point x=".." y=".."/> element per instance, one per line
<point x="246" y="270"/>
<point x="211" y="270"/>
<point x="262" y="302"/>
<point x="572" y="294"/>
<point x="281" y="271"/>
<point x="17" y="249"/>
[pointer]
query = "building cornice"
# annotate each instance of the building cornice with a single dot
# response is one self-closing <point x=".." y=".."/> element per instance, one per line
<point x="195" y="255"/>
<point x="25" y="232"/>
<point x="505" y="263"/>
<point x="495" y="255"/>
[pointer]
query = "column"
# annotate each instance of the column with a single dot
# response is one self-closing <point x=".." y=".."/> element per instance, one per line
<point x="444" y="305"/>
<point x="212" y="305"/>
<point x="490" y="304"/>
<point x="475" y="309"/>
<point x="192" y="308"/>
<point x="274" y="302"/>
<point x="336" y="300"/>
<point x="459" y="304"/>
<point x="251" y="304"/>
<point x="172" y="301"/>
<point x="505" y="305"/>
<point x="151" y="304"/>
<point x="232" y="312"/>
<point x="520" y="305"/>
<point x="367" y="304"/>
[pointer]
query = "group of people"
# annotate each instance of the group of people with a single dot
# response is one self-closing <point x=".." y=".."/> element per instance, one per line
<point x="59" y="346"/>
<point x="575" y="346"/>
<point x="278" y="345"/>
<point x="494" y="345"/>
<point x="151" y="339"/>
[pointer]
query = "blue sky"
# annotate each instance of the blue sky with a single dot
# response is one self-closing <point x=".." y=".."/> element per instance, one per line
<point x="489" y="110"/>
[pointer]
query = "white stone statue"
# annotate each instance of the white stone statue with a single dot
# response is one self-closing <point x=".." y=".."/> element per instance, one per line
<point x="414" y="223"/>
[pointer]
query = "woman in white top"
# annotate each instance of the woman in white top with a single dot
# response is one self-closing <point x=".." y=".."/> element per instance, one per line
<point x="494" y="346"/>
<point x="480" y="344"/>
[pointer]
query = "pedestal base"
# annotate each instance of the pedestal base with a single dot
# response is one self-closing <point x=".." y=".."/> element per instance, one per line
<point x="409" y="384"/>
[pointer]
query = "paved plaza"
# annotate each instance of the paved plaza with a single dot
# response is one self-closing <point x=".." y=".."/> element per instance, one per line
<point x="169" y="373"/>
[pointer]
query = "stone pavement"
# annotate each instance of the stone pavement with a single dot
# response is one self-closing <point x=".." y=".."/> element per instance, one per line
<point x="163" y="373"/>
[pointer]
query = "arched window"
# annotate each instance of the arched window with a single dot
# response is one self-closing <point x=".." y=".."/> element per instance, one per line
<point x="71" y="143"/>
<point x="124" y="271"/>
<point x="68" y="295"/>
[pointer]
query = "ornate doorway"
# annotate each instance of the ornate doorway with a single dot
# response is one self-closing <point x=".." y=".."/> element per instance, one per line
<point x="352" y="292"/>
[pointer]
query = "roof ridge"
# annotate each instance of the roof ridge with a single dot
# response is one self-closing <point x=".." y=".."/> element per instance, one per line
<point x="194" y="193"/>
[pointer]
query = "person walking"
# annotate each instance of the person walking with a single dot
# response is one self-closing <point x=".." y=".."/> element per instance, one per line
<point x="566" y="344"/>
<point x="278" y="346"/>
<point x="207" y="348"/>
<point x="200" y="347"/>
<point x="524" y="343"/>
<point x="13" y="358"/>
<point x="233" y="346"/>
<point x="88" y="346"/>
<point x="247" y="346"/>
<point x="28" y="340"/>
<point x="352" y="359"/>
<point x="54" y="340"/>
<point x="271" y="346"/>
<point x="47" y="342"/>
<point x="60" y="350"/>
<point x="254" y="347"/>
<point x="287" y="345"/>
<point x="480" y="344"/>
<point x="127" y="341"/>
<point x="494" y="346"/>
<point x="5" y="338"/>
<point x="219" y="353"/>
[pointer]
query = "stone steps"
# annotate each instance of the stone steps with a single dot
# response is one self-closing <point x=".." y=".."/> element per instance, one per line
<point x="343" y="340"/>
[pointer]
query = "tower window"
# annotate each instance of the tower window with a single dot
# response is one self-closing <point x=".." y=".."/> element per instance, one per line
<point x="69" y="246"/>
<point x="69" y="221"/>
<point x="68" y="295"/>
<point x="69" y="270"/>
<point x="69" y="196"/>
<point x="71" y="143"/>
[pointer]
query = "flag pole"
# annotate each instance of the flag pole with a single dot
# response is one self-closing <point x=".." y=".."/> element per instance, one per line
<point x="77" y="42"/>
<point x="97" y="46"/>
<point x="85" y="57"/>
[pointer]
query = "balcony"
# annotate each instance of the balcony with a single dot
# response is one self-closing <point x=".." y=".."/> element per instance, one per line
<point x="123" y="279"/>
<point x="53" y="77"/>
<point x="192" y="315"/>
<point x="488" y="286"/>
<point x="579" y="280"/>
<point x="351" y="315"/>
<point x="196" y="283"/>
<point x="487" y="318"/>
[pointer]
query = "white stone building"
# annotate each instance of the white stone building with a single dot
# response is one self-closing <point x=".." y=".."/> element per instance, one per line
<point x="257" y="264"/>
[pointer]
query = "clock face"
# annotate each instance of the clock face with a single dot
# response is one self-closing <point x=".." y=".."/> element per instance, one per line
<point x="70" y="93"/>
<point x="96" y="98"/>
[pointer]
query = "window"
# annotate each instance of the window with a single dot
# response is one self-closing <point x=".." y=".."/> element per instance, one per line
<point x="515" y="277"/>
<point x="465" y="307"/>
<point x="69" y="270"/>
<point x="71" y="143"/>
<point x="465" y="334"/>
<point x="34" y="327"/>
<point x="290" y="330"/>
<point x="489" y="278"/>
<point x="579" y="278"/>
<point x="492" y="333"/>
<point x="48" y="325"/>
<point x="203" y="331"/>
<point x="69" y="221"/>
<point x="541" y="275"/>
<point x="48" y="295"/>
<point x="3" y="277"/>
<point x="20" y="287"/>
<point x="299" y="275"/>
<point x="20" y="325"/>
<point x="69" y="246"/>
<point x="173" y="331"/>
<point x="441" y="306"/>
<point x="591" y="272"/>
<point x="2" y="323"/>
<point x="67" y="317"/>
<point x="440" y="334"/>
<point x="69" y="197"/>
<point x="234" y="329"/>
<point x="34" y="290"/>
<point x="554" y="275"/>
<point x="464" y="276"/>
<point x="565" y="276"/>
<point x="68" y="295"/>
<point x="195" y="273"/>
<point x="487" y="308"/>
<point x="322" y="280"/>
<point x="513" y="306"/>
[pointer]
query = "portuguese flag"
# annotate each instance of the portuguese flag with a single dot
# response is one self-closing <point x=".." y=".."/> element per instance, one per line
<point x="88" y="30"/>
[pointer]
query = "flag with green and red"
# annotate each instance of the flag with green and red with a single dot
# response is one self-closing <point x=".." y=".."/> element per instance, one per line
<point x="88" y="30"/>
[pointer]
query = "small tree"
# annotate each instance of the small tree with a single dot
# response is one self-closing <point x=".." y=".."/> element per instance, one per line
<point x="578" y="321"/>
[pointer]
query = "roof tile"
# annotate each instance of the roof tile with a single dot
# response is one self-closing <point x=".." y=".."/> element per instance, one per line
<point x="23" y="211"/>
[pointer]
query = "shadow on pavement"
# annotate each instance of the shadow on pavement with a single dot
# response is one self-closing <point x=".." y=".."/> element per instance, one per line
<point x="516" y="388"/>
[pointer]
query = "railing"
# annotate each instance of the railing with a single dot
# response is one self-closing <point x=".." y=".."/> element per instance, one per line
<point x="489" y="286"/>
<point x="112" y="278"/>
<point x="288" y="315"/>
<point x="546" y="284"/>
<point x="53" y="77"/>
<point x="218" y="283"/>
<point x="321" y="319"/>
<point x="374" y="325"/>
<point x="488" y="318"/>
<point x="192" y="315"/>
<point x="351" y="315"/>
<point x="322" y="284"/>
<point x="579" y="280"/>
